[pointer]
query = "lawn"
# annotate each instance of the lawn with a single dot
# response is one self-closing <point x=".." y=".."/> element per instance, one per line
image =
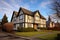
<point x="45" y="37"/>
<point x="29" y="34"/>
<point x="50" y="36"/>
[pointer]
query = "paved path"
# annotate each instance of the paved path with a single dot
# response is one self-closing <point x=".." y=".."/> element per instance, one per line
<point x="8" y="36"/>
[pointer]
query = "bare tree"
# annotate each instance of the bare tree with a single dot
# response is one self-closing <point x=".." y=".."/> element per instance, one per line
<point x="56" y="7"/>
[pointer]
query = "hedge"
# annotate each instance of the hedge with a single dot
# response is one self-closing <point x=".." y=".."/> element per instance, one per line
<point x="8" y="27"/>
<point x="26" y="29"/>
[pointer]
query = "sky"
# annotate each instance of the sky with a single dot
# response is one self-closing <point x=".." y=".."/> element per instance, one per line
<point x="8" y="6"/>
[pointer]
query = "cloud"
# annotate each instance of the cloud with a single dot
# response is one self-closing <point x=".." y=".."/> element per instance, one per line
<point x="6" y="8"/>
<point x="33" y="1"/>
<point x="45" y="3"/>
<point x="26" y="6"/>
<point x="54" y="17"/>
<point x="9" y="7"/>
<point x="7" y="4"/>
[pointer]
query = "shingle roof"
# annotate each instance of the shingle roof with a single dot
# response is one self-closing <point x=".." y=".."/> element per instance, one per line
<point x="16" y="13"/>
<point x="30" y="12"/>
<point x="40" y="14"/>
<point x="25" y="11"/>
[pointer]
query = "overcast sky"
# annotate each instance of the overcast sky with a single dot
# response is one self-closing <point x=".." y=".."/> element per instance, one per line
<point x="8" y="6"/>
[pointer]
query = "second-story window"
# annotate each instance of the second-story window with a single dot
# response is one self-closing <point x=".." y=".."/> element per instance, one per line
<point x="14" y="19"/>
<point x="21" y="13"/>
<point x="21" y="16"/>
<point x="37" y="17"/>
<point x="29" y="17"/>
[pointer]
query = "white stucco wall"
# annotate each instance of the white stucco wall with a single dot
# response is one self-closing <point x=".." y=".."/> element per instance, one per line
<point x="28" y="19"/>
<point x="28" y="25"/>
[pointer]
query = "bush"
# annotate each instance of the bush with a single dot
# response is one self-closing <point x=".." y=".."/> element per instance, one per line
<point x="57" y="28"/>
<point x="58" y="37"/>
<point x="42" y="28"/>
<point x="8" y="27"/>
<point x="26" y="29"/>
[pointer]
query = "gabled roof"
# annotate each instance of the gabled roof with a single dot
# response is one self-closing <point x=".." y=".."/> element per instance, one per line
<point x="14" y="13"/>
<point x="39" y="14"/>
<point x="25" y="11"/>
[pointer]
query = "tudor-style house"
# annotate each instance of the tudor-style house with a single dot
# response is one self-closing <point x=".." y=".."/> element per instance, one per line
<point x="25" y="18"/>
<point x="57" y="24"/>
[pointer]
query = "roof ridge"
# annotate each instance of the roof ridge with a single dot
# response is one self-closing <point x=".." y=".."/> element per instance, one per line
<point x="25" y="9"/>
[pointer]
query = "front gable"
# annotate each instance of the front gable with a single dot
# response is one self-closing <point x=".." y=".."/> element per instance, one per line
<point x="21" y="12"/>
<point x="13" y="16"/>
<point x="37" y="17"/>
<point x="37" y="14"/>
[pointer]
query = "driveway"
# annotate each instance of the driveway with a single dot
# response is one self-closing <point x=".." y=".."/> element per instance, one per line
<point x="8" y="36"/>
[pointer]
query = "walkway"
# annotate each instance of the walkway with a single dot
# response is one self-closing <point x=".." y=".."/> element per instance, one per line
<point x="8" y="36"/>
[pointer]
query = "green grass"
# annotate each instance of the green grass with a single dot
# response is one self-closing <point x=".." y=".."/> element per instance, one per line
<point x="50" y="36"/>
<point x="29" y="34"/>
<point x="47" y="37"/>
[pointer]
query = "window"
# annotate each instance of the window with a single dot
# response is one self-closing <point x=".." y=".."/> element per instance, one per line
<point x="30" y="25"/>
<point x="21" y="12"/>
<point x="21" y="25"/>
<point x="21" y="17"/>
<point x="29" y="17"/>
<point x="37" y="17"/>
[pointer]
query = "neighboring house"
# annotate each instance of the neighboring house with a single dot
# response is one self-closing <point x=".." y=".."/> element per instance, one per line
<point x="25" y="18"/>
<point x="50" y="24"/>
<point x="57" y="24"/>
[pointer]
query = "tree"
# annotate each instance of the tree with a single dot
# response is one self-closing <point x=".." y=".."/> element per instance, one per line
<point x="4" y="19"/>
<point x="49" y="19"/>
<point x="56" y="7"/>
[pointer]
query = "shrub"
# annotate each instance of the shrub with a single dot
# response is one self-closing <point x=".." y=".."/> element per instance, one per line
<point x="26" y="29"/>
<point x="8" y="27"/>
<point x="42" y="28"/>
<point x="57" y="28"/>
<point x="58" y="37"/>
<point x="19" y="29"/>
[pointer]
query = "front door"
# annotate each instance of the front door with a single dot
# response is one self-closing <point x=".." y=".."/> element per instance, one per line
<point x="35" y="26"/>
